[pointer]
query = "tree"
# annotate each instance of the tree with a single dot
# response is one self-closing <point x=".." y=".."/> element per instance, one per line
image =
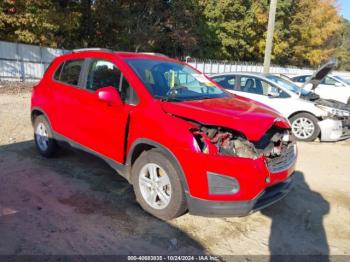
<point x="35" y="21"/>
<point x="303" y="31"/>
<point x="236" y="27"/>
<point x="307" y="32"/>
<point x="312" y="29"/>
<point x="343" y="51"/>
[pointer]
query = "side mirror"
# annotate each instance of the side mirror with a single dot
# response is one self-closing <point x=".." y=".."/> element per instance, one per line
<point x="109" y="95"/>
<point x="273" y="94"/>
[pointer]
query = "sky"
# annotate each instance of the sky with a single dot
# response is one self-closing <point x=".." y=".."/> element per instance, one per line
<point x="345" y="8"/>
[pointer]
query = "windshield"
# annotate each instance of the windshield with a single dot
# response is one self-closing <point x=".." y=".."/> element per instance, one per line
<point x="174" y="81"/>
<point x="287" y="84"/>
<point x="342" y="79"/>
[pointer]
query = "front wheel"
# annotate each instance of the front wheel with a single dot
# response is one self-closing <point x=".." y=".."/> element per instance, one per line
<point x="305" y="127"/>
<point x="157" y="185"/>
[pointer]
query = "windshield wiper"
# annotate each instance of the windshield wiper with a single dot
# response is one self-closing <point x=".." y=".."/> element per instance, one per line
<point x="168" y="98"/>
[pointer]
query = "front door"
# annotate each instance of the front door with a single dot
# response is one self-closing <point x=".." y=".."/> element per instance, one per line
<point x="103" y="126"/>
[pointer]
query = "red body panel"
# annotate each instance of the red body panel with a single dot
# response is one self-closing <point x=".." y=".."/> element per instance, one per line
<point x="230" y="112"/>
<point x="79" y="115"/>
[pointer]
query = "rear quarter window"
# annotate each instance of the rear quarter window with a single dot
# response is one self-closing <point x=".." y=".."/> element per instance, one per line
<point x="57" y="73"/>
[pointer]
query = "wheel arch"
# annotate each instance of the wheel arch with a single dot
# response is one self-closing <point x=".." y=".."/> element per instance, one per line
<point x="37" y="111"/>
<point x="141" y="145"/>
<point x="301" y="112"/>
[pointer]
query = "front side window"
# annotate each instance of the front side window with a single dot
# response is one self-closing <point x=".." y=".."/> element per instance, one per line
<point x="227" y="82"/>
<point x="102" y="73"/>
<point x="127" y="92"/>
<point x="253" y="85"/>
<point x="329" y="81"/>
<point x="174" y="81"/>
<point x="70" y="72"/>
<point x="289" y="85"/>
<point x="258" y="86"/>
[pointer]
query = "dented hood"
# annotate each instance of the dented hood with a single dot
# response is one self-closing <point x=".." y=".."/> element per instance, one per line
<point x="241" y="114"/>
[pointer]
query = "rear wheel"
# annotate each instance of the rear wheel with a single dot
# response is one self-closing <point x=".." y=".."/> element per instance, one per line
<point x="45" y="144"/>
<point x="157" y="185"/>
<point x="305" y="127"/>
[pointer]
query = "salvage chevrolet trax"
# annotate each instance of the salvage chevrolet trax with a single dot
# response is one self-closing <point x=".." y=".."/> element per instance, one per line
<point x="184" y="143"/>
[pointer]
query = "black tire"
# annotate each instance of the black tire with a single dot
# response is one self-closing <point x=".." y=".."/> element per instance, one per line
<point x="311" y="118"/>
<point x="177" y="205"/>
<point x="51" y="144"/>
<point x="348" y="103"/>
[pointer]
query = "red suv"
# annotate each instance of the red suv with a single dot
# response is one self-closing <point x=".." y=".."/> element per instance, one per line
<point x="184" y="143"/>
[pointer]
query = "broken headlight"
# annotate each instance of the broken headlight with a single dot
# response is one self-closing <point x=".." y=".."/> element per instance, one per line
<point x="227" y="142"/>
<point x="217" y="140"/>
<point x="334" y="111"/>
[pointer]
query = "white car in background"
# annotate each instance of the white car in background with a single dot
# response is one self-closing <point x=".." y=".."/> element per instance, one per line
<point x="310" y="116"/>
<point x="326" y="86"/>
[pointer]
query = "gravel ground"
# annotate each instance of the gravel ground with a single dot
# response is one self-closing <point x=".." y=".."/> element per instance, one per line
<point x="76" y="204"/>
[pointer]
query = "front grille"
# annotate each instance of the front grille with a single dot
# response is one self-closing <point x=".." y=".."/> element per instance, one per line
<point x="346" y="122"/>
<point x="346" y="127"/>
<point x="284" y="161"/>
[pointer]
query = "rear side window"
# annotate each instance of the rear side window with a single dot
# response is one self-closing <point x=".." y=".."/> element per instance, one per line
<point x="70" y="72"/>
<point x="301" y="79"/>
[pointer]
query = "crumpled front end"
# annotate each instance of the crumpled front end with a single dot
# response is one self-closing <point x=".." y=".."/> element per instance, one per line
<point x="336" y="125"/>
<point x="240" y="176"/>
<point x="334" y="129"/>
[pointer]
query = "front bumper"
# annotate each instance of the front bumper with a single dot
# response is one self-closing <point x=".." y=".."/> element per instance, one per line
<point x="269" y="196"/>
<point x="334" y="129"/>
<point x="262" y="182"/>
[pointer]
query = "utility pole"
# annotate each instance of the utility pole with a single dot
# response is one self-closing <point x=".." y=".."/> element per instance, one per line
<point x="269" y="37"/>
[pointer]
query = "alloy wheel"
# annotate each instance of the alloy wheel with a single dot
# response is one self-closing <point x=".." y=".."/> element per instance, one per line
<point x="303" y="128"/>
<point x="155" y="186"/>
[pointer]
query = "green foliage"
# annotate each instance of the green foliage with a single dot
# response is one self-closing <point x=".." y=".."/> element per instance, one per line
<point x="343" y="50"/>
<point x="307" y="32"/>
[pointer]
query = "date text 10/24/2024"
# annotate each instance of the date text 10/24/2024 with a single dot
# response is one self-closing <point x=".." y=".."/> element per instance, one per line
<point x="173" y="258"/>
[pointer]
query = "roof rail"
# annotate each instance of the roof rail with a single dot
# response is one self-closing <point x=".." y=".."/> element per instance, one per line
<point x="151" y="53"/>
<point x="91" y="49"/>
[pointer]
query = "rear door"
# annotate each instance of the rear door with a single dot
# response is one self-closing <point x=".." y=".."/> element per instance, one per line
<point x="66" y="90"/>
